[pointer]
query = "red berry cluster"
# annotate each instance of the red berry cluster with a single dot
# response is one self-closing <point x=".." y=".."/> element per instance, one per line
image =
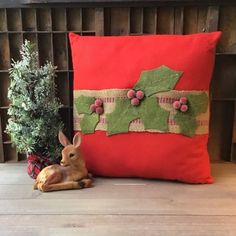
<point x="181" y="104"/>
<point x="97" y="106"/>
<point x="135" y="96"/>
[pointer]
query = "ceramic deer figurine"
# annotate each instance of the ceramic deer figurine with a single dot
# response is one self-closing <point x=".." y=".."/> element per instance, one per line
<point x="70" y="174"/>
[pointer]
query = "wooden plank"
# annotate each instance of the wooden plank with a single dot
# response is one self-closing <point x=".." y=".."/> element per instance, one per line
<point x="202" y="19"/>
<point x="74" y="19"/>
<point x="4" y="52"/>
<point x="166" y="20"/>
<point x="136" y="20"/>
<point x="1" y="142"/>
<point x="99" y="21"/>
<point x="116" y="196"/>
<point x="190" y="20"/>
<point x="221" y="125"/>
<point x="88" y="19"/>
<point x="14" y="22"/>
<point x="149" y="20"/>
<point x="179" y="20"/>
<point x="227" y="25"/>
<point x="119" y="225"/>
<point x="29" y="19"/>
<point x="3" y="20"/>
<point x="58" y="19"/>
<point x="44" y="19"/>
<point x="212" y="18"/>
<point x="223" y="85"/>
<point x="120" y="21"/>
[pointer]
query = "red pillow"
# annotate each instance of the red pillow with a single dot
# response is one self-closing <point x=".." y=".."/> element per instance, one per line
<point x="141" y="103"/>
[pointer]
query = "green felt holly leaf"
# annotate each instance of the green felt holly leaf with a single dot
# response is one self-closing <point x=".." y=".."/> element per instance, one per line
<point x="119" y="120"/>
<point x="157" y="80"/>
<point x="197" y="104"/>
<point x="89" y="123"/>
<point x="152" y="115"/>
<point x="82" y="104"/>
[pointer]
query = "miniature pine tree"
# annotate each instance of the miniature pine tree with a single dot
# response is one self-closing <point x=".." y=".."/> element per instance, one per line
<point x="34" y="120"/>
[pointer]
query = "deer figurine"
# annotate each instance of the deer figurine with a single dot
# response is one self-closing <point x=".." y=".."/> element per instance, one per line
<point x="70" y="174"/>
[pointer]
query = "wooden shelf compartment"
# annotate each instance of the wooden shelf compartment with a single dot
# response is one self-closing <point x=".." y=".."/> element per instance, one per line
<point x="223" y="85"/>
<point x="220" y="137"/>
<point x="62" y="82"/>
<point x="45" y="48"/>
<point x="60" y="51"/>
<point x="4" y="85"/>
<point x="15" y="42"/>
<point x="29" y="19"/>
<point x="4" y="52"/>
<point x="59" y="19"/>
<point x="14" y="19"/>
<point x="44" y="19"/>
<point x="74" y="19"/>
<point x="3" y="20"/>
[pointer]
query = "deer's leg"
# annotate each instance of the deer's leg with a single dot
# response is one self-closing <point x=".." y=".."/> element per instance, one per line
<point x="84" y="183"/>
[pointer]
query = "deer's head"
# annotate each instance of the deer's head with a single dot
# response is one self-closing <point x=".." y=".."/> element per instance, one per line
<point x="70" y="154"/>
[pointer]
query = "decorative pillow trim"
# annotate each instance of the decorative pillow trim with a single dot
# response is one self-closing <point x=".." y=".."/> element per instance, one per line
<point x="169" y="117"/>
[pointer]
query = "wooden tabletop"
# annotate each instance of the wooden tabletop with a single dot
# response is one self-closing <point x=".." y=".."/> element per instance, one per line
<point x="119" y="206"/>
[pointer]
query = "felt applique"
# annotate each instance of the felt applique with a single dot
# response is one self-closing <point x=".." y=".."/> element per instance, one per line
<point x="157" y="80"/>
<point x="153" y="116"/>
<point x="91" y="108"/>
<point x="186" y="118"/>
<point x="149" y="111"/>
<point x="149" y="106"/>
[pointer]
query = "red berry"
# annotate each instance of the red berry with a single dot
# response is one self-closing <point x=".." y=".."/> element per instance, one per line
<point x="98" y="102"/>
<point x="131" y="94"/>
<point x="93" y="107"/>
<point x="183" y="100"/>
<point x="99" y="110"/>
<point x="176" y="105"/>
<point x="135" y="101"/>
<point x="140" y="95"/>
<point x="184" y="108"/>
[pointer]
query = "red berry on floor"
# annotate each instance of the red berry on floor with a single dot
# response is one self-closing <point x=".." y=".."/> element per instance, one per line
<point x="93" y="107"/>
<point x="99" y="110"/>
<point x="183" y="100"/>
<point x="184" y="108"/>
<point x="140" y="95"/>
<point x="98" y="102"/>
<point x="135" y="101"/>
<point x="176" y="105"/>
<point x="131" y="94"/>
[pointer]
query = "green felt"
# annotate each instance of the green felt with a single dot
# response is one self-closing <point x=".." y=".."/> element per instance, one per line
<point x="118" y="121"/>
<point x="197" y="103"/>
<point x="157" y="80"/>
<point x="152" y="115"/>
<point x="82" y="104"/>
<point x="89" y="123"/>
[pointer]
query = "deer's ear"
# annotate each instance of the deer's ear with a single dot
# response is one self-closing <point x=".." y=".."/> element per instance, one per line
<point x="63" y="139"/>
<point x="77" y="140"/>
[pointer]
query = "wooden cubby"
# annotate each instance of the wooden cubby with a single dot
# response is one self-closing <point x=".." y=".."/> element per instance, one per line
<point x="45" y="48"/>
<point x="14" y="21"/>
<point x="48" y="27"/>
<point x="44" y="19"/>
<point x="29" y="19"/>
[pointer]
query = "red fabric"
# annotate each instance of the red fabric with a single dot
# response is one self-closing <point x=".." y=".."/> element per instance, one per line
<point x="116" y="62"/>
<point x="35" y="163"/>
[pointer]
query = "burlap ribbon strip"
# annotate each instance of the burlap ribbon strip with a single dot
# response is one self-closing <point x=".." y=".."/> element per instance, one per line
<point x="165" y="100"/>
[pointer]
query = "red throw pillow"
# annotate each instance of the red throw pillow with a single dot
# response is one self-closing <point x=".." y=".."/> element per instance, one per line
<point x="142" y="104"/>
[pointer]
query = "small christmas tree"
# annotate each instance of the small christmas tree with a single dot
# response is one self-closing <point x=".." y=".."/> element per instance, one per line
<point x="34" y="120"/>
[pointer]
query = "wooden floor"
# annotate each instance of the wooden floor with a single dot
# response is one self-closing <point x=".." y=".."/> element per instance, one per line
<point x="119" y="207"/>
